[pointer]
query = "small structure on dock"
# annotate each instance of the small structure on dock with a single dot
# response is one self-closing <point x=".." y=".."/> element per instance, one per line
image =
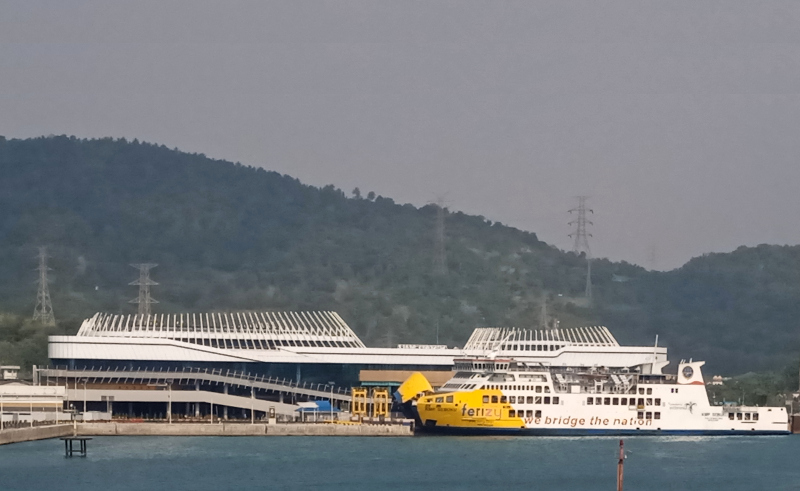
<point x="69" y="448"/>
<point x="23" y="403"/>
<point x="9" y="372"/>
<point x="318" y="409"/>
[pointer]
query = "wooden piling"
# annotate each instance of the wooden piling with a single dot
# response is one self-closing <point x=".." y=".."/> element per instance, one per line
<point x="795" y="423"/>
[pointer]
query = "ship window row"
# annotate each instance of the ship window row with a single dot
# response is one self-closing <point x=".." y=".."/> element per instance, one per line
<point x="622" y="401"/>
<point x="520" y="400"/>
<point x="444" y="399"/>
<point x="648" y="415"/>
<point x="649" y="390"/>
<point x="530" y="388"/>
<point x="532" y="347"/>
<point x="491" y="366"/>
<point x="532" y="400"/>
<point x="744" y="416"/>
<point x="527" y="413"/>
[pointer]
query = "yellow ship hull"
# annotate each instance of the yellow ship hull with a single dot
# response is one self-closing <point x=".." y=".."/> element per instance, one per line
<point x="467" y="410"/>
<point x="477" y="413"/>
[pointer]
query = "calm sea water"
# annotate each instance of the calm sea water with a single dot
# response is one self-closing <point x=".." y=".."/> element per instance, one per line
<point x="432" y="463"/>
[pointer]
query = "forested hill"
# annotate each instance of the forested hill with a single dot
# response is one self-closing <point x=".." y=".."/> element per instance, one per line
<point x="231" y="237"/>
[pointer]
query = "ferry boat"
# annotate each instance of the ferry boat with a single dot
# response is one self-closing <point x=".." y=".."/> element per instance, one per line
<point x="502" y="395"/>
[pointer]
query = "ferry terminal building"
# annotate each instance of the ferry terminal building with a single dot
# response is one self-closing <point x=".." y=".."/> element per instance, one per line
<point x="318" y="347"/>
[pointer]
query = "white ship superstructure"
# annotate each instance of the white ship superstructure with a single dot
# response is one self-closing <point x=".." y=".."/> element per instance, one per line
<point x="499" y="394"/>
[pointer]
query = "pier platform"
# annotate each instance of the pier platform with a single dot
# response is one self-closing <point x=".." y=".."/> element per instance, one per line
<point x="69" y="445"/>
<point x="243" y="429"/>
<point x="201" y="429"/>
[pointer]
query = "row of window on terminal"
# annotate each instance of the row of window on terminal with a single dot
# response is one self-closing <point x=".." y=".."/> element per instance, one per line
<point x="622" y="401"/>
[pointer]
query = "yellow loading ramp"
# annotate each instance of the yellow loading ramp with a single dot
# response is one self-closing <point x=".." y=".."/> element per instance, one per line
<point x="380" y="403"/>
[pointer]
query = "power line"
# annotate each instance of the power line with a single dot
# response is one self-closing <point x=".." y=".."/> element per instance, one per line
<point x="144" y="282"/>
<point x="581" y="237"/>
<point x="43" y="312"/>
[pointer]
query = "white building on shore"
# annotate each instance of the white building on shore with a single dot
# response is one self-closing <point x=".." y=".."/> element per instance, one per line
<point x="317" y="346"/>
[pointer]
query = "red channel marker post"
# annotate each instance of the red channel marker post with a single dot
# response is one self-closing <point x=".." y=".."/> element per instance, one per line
<point x="620" y="465"/>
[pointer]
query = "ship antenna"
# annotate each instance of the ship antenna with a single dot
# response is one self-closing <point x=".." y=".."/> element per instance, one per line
<point x="653" y="369"/>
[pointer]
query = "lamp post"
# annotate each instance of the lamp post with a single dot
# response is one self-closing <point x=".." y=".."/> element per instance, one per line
<point x="169" y="401"/>
<point x="72" y="412"/>
<point x="84" y="397"/>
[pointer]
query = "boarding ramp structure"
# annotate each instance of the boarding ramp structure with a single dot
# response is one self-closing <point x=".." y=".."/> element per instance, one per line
<point x="221" y="388"/>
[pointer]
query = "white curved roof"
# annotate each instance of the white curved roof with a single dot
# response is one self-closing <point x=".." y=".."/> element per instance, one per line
<point x="240" y="330"/>
<point x="514" y="339"/>
<point x="324" y="337"/>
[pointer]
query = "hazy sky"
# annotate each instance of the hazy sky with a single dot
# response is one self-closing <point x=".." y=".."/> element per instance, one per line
<point x="680" y="119"/>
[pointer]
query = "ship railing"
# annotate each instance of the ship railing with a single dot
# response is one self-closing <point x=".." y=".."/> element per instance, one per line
<point x="657" y="379"/>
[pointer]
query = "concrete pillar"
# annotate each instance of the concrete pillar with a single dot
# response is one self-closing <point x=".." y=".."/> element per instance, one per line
<point x="280" y="397"/>
<point x="197" y="404"/>
<point x="225" y="408"/>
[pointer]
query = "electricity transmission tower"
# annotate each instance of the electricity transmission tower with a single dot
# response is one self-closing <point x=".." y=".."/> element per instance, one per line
<point x="582" y="239"/>
<point x="43" y="312"/>
<point x="440" y="257"/>
<point x="144" y="282"/>
<point x="652" y="257"/>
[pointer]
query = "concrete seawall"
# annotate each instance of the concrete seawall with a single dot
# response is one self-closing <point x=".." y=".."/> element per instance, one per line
<point x="240" y="429"/>
<point x="199" y="429"/>
<point x="36" y="433"/>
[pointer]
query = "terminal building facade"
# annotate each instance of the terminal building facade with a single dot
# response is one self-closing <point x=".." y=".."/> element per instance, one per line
<point x="317" y="347"/>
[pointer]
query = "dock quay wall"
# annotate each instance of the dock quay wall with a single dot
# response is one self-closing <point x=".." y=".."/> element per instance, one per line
<point x="241" y="429"/>
<point x="16" y="435"/>
<point x="200" y="429"/>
